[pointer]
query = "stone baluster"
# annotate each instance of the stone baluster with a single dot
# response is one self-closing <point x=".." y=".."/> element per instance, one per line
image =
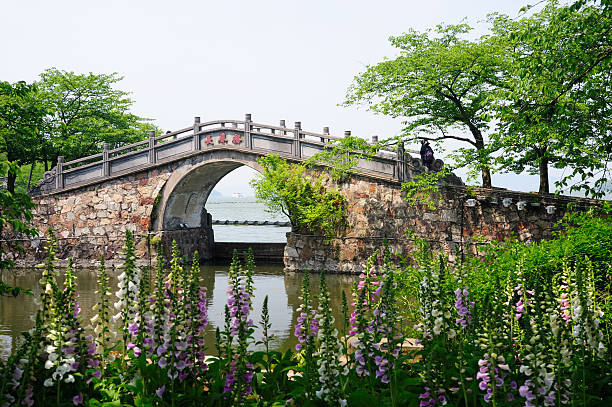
<point x="326" y="132"/>
<point x="59" y="173"/>
<point x="105" y="162"/>
<point x="196" y="136"/>
<point x="400" y="170"/>
<point x="283" y="125"/>
<point x="152" y="157"/>
<point x="247" y="131"/>
<point x="297" y="149"/>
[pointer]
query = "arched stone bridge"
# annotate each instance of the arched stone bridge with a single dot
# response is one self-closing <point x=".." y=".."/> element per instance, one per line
<point x="159" y="187"/>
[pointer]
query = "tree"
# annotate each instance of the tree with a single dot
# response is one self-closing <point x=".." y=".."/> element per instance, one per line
<point x="15" y="217"/>
<point x="20" y="126"/>
<point x="439" y="82"/>
<point x="554" y="108"/>
<point x="310" y="206"/>
<point x="84" y="112"/>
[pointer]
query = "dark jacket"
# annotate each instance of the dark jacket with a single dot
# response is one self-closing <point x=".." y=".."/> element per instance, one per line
<point x="427" y="153"/>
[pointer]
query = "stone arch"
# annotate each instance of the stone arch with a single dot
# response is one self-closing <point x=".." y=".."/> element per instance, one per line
<point x="182" y="200"/>
<point x="179" y="213"/>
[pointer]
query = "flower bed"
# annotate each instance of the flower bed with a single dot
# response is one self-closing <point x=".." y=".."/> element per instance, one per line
<point x="485" y="337"/>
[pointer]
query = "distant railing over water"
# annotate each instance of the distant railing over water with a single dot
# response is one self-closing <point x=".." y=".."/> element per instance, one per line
<point x="291" y="143"/>
<point x="251" y="222"/>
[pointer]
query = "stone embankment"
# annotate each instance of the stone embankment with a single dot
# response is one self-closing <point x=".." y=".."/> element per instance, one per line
<point x="463" y="219"/>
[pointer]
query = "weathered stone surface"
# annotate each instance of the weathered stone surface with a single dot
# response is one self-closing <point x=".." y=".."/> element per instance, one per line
<point x="451" y="227"/>
<point x="168" y="202"/>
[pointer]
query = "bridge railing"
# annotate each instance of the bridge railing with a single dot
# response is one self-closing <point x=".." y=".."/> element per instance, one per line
<point x="292" y="143"/>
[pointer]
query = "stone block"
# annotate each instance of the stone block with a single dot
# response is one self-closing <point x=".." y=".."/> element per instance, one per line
<point x="99" y="231"/>
<point x="290" y="252"/>
<point x="430" y="216"/>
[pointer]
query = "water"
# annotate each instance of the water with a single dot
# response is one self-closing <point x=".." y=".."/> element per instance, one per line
<point x="241" y="209"/>
<point x="282" y="289"/>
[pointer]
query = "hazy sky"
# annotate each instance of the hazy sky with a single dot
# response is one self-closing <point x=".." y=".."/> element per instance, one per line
<point x="287" y="59"/>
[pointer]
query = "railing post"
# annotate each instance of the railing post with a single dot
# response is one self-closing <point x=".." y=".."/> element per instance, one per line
<point x="297" y="149"/>
<point x="282" y="124"/>
<point x="248" y="140"/>
<point x="374" y="139"/>
<point x="105" y="163"/>
<point x="59" y="173"/>
<point x="196" y="136"/>
<point x="326" y="132"/>
<point x="152" y="147"/>
<point x="400" y="162"/>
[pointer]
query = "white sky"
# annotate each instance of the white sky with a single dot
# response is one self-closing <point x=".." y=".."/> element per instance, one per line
<point x="286" y="59"/>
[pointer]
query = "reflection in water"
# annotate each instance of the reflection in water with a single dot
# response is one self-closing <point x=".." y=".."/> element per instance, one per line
<point x="282" y="289"/>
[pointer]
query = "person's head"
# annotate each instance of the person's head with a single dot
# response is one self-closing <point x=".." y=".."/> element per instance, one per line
<point x="423" y="141"/>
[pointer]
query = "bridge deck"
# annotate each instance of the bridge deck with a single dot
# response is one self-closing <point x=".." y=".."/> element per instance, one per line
<point x="247" y="136"/>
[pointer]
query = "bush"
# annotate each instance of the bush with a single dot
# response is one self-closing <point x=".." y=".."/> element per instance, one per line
<point x="310" y="206"/>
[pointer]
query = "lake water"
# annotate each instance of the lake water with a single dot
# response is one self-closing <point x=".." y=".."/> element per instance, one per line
<point x="241" y="209"/>
<point x="282" y="289"/>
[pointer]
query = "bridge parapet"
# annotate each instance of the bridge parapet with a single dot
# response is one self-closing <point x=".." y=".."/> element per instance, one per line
<point x="246" y="135"/>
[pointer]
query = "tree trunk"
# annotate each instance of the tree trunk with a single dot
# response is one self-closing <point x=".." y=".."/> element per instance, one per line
<point x="480" y="145"/>
<point x="543" y="166"/>
<point x="486" y="178"/>
<point x="30" y="177"/>
<point x="10" y="181"/>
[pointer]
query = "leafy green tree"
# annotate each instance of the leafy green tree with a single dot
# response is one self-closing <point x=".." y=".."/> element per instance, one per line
<point x="15" y="217"/>
<point x="300" y="195"/>
<point x="20" y="126"/>
<point x="554" y="108"/>
<point x="84" y="112"/>
<point x="440" y="83"/>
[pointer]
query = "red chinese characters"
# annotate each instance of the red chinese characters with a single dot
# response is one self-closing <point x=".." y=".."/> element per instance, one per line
<point x="236" y="139"/>
<point x="209" y="141"/>
<point x="222" y="138"/>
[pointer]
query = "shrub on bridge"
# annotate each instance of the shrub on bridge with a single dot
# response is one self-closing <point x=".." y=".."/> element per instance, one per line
<point x="300" y="195"/>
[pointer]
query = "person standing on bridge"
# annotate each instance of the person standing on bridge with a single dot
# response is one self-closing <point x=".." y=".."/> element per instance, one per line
<point x="427" y="155"/>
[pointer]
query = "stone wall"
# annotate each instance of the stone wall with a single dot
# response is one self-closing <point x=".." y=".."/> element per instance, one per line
<point x="92" y="221"/>
<point x="377" y="210"/>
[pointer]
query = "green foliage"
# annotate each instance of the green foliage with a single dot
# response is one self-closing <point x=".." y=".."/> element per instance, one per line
<point x="84" y="111"/>
<point x="582" y="237"/>
<point x="343" y="155"/>
<point x="21" y="120"/>
<point x="554" y="105"/>
<point x="15" y="217"/>
<point x="440" y="82"/>
<point x="23" y="176"/>
<point x="423" y="188"/>
<point x="527" y="313"/>
<point x="531" y="94"/>
<point x="290" y="189"/>
<point x="526" y="318"/>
